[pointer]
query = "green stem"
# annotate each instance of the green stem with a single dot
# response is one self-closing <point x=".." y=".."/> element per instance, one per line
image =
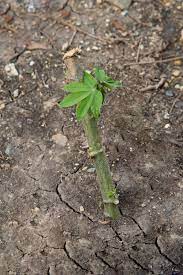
<point x="108" y="191"/>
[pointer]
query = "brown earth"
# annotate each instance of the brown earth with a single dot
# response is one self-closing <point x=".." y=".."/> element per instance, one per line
<point x="50" y="206"/>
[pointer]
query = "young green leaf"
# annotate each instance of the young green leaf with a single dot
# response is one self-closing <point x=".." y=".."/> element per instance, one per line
<point x="105" y="80"/>
<point x="73" y="99"/>
<point x="84" y="106"/>
<point x="97" y="104"/>
<point x="111" y="84"/>
<point x="89" y="80"/>
<point x="100" y="74"/>
<point x="75" y="87"/>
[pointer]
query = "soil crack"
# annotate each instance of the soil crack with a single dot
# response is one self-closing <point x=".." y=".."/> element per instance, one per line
<point x="139" y="264"/>
<point x="69" y="206"/>
<point x="134" y="220"/>
<point x="73" y="260"/>
<point x="104" y="261"/>
<point x="162" y="253"/>
<point x="21" y="251"/>
<point x="117" y="234"/>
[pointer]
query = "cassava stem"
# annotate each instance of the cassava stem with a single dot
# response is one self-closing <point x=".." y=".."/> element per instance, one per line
<point x="97" y="153"/>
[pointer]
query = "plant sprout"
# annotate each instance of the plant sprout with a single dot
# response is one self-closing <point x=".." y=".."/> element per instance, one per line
<point x="88" y="95"/>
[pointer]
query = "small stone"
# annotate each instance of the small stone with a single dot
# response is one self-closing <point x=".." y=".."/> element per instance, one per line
<point x="122" y="4"/>
<point x="124" y="13"/>
<point x="33" y="75"/>
<point x="53" y="79"/>
<point x="167" y="126"/>
<point x="60" y="139"/>
<point x="141" y="47"/>
<point x="166" y="115"/>
<point x="116" y="177"/>
<point x="78" y="23"/>
<point x="81" y="209"/>
<point x="9" y="150"/>
<point x="65" y="46"/>
<point x="91" y="170"/>
<point x="178" y="62"/>
<point x="2" y="105"/>
<point x="176" y="73"/>
<point x="177" y="86"/>
<point x="35" y="210"/>
<point x="169" y="93"/>
<point x="11" y="69"/>
<point x="95" y="48"/>
<point x="15" y="93"/>
<point x="166" y="85"/>
<point x="31" y="63"/>
<point x="179" y="104"/>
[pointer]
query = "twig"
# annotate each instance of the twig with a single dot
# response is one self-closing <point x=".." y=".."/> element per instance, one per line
<point x="156" y="86"/>
<point x="137" y="21"/>
<point x="74" y="28"/>
<point x="72" y="39"/>
<point x="138" y="50"/>
<point x="173" y="104"/>
<point x="154" y="62"/>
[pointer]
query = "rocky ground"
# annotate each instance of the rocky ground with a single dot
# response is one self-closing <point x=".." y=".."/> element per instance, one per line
<point x="50" y="206"/>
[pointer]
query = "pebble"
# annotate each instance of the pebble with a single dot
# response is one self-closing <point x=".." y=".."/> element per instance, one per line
<point x="176" y="73"/>
<point x="60" y="139"/>
<point x="65" y="46"/>
<point x="31" y="63"/>
<point x="141" y="47"/>
<point x="91" y="170"/>
<point x="179" y="104"/>
<point x="53" y="79"/>
<point x="78" y="23"/>
<point x="2" y="105"/>
<point x="122" y="4"/>
<point x="15" y="93"/>
<point x="169" y="93"/>
<point x="116" y="177"/>
<point x="177" y="86"/>
<point x="11" y="69"/>
<point x="9" y="150"/>
<point x="178" y="62"/>
<point x="95" y="48"/>
<point x="81" y="209"/>
<point x="166" y="115"/>
<point x="167" y="126"/>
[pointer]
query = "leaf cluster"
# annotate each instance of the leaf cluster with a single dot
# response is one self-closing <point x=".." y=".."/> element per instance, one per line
<point x="88" y="94"/>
